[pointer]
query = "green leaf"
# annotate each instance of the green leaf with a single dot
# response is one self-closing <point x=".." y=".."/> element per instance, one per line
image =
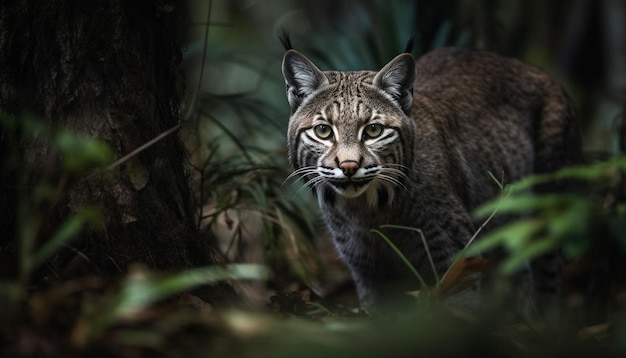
<point x="524" y="203"/>
<point x="81" y="153"/>
<point x="71" y="228"/>
<point x="595" y="173"/>
<point x="559" y="218"/>
<point x="513" y="236"/>
<point x="533" y="249"/>
<point x="140" y="290"/>
<point x="570" y="218"/>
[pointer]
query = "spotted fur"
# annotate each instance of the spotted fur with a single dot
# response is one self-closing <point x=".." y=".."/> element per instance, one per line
<point x="412" y="145"/>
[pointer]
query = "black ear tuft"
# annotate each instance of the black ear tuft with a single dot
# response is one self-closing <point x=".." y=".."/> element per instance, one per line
<point x="396" y="79"/>
<point x="283" y="36"/>
<point x="410" y="44"/>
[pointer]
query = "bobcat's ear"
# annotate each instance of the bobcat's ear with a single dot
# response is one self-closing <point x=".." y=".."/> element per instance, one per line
<point x="396" y="79"/>
<point x="302" y="78"/>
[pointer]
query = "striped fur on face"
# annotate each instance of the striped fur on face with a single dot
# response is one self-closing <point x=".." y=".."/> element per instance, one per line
<point x="347" y="130"/>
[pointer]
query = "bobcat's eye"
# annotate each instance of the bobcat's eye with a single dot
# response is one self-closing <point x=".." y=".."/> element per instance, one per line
<point x="323" y="131"/>
<point x="372" y="131"/>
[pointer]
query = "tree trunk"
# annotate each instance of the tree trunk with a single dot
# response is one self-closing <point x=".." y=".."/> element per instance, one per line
<point x="106" y="69"/>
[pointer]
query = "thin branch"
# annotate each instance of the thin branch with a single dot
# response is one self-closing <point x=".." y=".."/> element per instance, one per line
<point x="143" y="147"/>
<point x="192" y="103"/>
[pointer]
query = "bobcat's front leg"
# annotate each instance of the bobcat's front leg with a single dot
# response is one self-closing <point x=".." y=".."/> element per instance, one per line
<point x="382" y="294"/>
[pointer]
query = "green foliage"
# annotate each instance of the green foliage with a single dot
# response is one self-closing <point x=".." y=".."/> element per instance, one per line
<point x="241" y="117"/>
<point x="77" y="152"/>
<point x="37" y="242"/>
<point x="375" y="33"/>
<point x="81" y="153"/>
<point x="37" y="237"/>
<point x="142" y="289"/>
<point x="551" y="221"/>
<point x="246" y="192"/>
<point x="66" y="232"/>
<point x="546" y="222"/>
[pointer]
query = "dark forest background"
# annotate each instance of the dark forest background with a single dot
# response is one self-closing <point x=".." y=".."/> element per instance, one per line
<point x="143" y="204"/>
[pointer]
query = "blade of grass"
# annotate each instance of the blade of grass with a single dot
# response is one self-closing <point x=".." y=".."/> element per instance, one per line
<point x="68" y="231"/>
<point x="421" y="233"/>
<point x="402" y="257"/>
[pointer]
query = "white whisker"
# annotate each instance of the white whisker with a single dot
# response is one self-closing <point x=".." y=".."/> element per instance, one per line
<point x="392" y="176"/>
<point x="300" y="173"/>
<point x="397" y="175"/>
<point x="303" y="171"/>
<point x="391" y="180"/>
<point x="309" y="184"/>
<point x="313" y="181"/>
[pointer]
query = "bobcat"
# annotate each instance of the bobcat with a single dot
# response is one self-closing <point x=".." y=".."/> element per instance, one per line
<point x="412" y="145"/>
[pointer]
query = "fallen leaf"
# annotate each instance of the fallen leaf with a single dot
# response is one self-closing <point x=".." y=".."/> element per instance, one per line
<point x="460" y="276"/>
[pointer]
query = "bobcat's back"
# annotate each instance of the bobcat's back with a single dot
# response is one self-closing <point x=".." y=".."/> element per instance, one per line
<point x="412" y="145"/>
<point x="497" y="114"/>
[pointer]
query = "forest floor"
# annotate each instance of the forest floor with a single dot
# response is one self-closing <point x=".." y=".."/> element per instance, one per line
<point x="94" y="317"/>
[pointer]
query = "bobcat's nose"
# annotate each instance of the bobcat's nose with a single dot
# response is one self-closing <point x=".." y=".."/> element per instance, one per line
<point x="349" y="167"/>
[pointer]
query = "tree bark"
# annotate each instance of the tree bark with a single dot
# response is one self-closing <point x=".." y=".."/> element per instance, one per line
<point x="107" y="69"/>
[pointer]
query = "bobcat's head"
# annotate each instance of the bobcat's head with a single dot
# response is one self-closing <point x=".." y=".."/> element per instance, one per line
<point x="349" y="132"/>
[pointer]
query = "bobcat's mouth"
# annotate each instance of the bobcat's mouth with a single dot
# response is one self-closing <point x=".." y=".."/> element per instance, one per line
<point x="349" y="187"/>
<point x="346" y="183"/>
<point x="370" y="189"/>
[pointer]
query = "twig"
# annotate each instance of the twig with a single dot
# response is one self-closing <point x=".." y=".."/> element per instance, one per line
<point x="143" y="147"/>
<point x="192" y="103"/>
